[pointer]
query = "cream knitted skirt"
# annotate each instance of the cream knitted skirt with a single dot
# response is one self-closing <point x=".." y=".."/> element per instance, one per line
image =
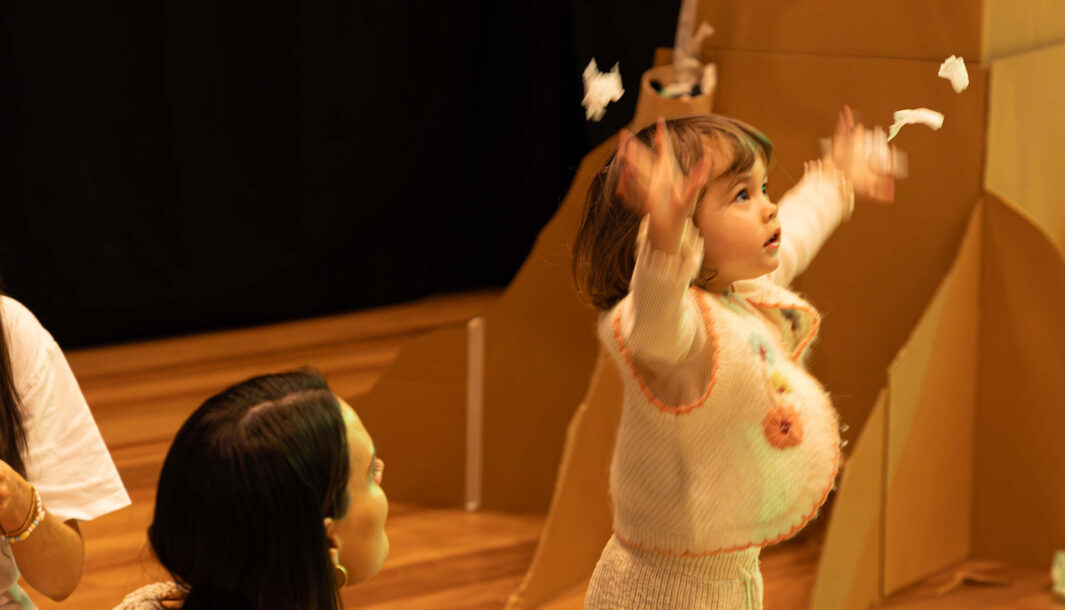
<point x="627" y="578"/>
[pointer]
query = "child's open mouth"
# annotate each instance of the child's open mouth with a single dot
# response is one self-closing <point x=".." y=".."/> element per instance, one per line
<point x="773" y="241"/>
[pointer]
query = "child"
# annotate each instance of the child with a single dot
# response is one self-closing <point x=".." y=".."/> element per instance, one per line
<point x="726" y="443"/>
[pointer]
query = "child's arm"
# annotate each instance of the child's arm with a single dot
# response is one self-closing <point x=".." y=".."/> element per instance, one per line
<point x="658" y="324"/>
<point x="809" y="213"/>
<point x="860" y="162"/>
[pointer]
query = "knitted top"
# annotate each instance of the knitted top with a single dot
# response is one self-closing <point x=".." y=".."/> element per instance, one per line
<point x="726" y="442"/>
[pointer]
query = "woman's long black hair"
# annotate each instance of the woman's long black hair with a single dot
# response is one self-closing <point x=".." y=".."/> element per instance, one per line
<point x="12" y="432"/>
<point x="243" y="492"/>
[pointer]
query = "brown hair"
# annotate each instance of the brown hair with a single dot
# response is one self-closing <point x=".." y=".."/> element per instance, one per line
<point x="604" y="250"/>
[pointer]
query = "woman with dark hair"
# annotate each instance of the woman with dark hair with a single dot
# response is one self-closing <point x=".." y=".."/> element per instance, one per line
<point x="54" y="467"/>
<point x="269" y="497"/>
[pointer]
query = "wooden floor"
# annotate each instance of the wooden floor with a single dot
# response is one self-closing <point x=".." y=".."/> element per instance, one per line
<point x="440" y="558"/>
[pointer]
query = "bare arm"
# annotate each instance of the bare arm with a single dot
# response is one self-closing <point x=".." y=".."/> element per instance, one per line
<point x="51" y="558"/>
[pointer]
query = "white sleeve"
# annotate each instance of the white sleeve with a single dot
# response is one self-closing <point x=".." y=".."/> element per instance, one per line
<point x="660" y="318"/>
<point x="809" y="213"/>
<point x="66" y="459"/>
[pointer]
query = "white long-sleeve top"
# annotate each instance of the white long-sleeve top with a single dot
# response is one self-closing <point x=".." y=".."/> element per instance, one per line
<point x="725" y="440"/>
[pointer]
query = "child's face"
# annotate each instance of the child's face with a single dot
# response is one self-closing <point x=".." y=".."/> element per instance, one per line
<point x="361" y="533"/>
<point x="738" y="222"/>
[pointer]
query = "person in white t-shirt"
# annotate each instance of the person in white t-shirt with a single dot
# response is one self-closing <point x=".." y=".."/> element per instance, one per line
<point x="54" y="467"/>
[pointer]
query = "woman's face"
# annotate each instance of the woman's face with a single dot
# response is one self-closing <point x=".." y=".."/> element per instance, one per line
<point x="360" y="535"/>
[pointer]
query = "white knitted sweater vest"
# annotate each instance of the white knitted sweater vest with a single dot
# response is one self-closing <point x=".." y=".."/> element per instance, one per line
<point x="726" y="442"/>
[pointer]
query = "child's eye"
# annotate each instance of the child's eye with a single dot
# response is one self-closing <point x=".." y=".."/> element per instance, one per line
<point x="378" y="470"/>
<point x="765" y="188"/>
<point x="742" y="195"/>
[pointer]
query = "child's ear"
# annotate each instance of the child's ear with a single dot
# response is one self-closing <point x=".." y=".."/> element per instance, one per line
<point x="331" y="534"/>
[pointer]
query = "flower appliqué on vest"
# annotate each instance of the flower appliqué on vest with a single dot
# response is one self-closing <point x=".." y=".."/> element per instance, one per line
<point x="762" y="348"/>
<point x="783" y="427"/>
<point x="779" y="382"/>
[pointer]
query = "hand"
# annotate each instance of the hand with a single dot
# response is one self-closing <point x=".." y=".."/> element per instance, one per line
<point x="865" y="157"/>
<point x="652" y="183"/>
<point x="16" y="498"/>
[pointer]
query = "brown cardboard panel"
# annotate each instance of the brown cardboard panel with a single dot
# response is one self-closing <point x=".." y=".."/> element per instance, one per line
<point x="540" y="349"/>
<point x="571" y="599"/>
<point x="1019" y="510"/>
<point x="849" y="572"/>
<point x="931" y="412"/>
<point x="579" y="521"/>
<point x="874" y="277"/>
<point x="1025" y="132"/>
<point x="1015" y="26"/>
<point x="915" y="29"/>
<point x="416" y="415"/>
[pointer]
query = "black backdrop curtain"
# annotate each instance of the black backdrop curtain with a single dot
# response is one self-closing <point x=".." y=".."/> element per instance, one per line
<point x="183" y="165"/>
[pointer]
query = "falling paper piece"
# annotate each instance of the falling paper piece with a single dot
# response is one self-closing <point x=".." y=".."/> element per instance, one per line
<point x="923" y="116"/>
<point x="953" y="69"/>
<point x="1057" y="574"/>
<point x="600" y="88"/>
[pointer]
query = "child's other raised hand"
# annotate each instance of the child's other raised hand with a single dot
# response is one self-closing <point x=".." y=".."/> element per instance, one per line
<point x="652" y="183"/>
<point x="869" y="162"/>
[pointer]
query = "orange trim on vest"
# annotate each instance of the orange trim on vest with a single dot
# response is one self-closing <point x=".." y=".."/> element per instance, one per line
<point x="675" y="409"/>
<point x="814" y="327"/>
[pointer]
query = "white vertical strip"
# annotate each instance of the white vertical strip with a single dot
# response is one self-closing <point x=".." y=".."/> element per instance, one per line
<point x="474" y="411"/>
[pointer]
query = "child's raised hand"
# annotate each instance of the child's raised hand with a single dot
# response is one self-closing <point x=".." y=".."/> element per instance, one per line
<point x="652" y="183"/>
<point x="869" y="162"/>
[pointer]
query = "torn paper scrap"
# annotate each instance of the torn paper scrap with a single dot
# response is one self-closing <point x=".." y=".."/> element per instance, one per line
<point x="600" y="88"/>
<point x="953" y="69"/>
<point x="1057" y="574"/>
<point x="923" y="116"/>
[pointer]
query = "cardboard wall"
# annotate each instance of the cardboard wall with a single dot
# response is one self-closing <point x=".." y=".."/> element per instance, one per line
<point x="416" y="413"/>
<point x="931" y="413"/>
<point x="580" y="520"/>
<point x="1020" y="491"/>
<point x="1016" y="26"/>
<point x="912" y="29"/>
<point x="1025" y="132"/>
<point x="977" y="30"/>
<point x="973" y="462"/>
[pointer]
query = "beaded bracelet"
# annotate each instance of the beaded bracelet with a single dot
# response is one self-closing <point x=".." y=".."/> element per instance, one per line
<point x="25" y="533"/>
